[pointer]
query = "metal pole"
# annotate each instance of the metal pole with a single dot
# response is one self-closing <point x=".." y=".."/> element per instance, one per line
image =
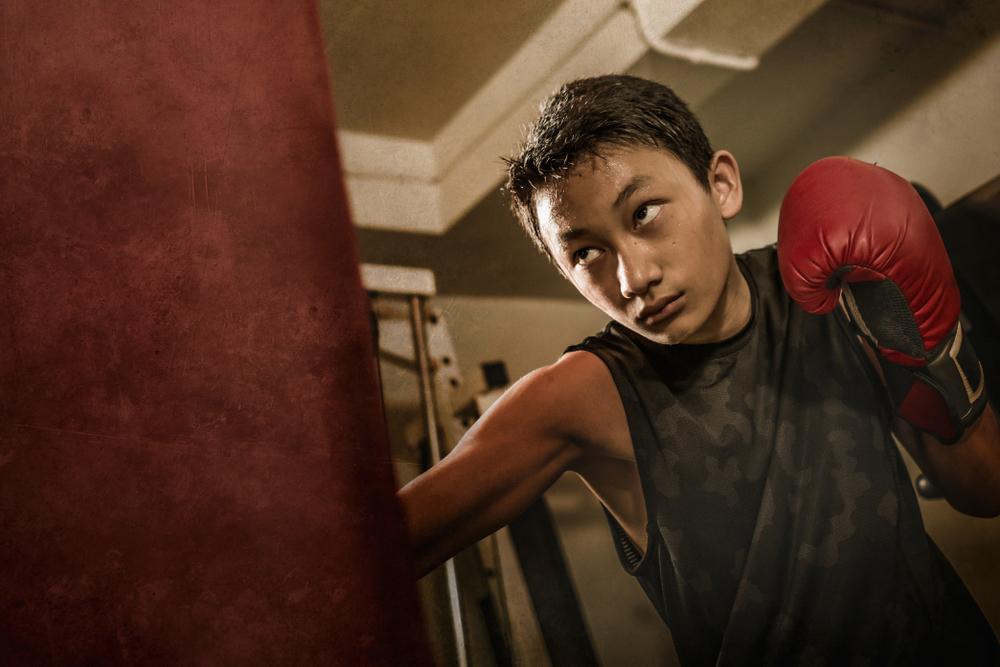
<point x="501" y="588"/>
<point x="430" y="421"/>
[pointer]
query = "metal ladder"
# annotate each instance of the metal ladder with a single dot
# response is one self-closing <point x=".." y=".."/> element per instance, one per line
<point x="400" y="301"/>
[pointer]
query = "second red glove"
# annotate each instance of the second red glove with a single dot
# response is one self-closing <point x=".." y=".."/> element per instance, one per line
<point x="855" y="233"/>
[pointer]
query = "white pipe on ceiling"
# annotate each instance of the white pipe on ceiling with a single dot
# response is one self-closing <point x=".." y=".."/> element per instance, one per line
<point x="695" y="55"/>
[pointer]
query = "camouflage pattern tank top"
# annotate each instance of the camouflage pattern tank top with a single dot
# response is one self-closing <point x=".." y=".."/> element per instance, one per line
<point x="782" y="524"/>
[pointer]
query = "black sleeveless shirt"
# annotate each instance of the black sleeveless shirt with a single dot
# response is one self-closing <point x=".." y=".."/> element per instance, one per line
<point x="782" y="525"/>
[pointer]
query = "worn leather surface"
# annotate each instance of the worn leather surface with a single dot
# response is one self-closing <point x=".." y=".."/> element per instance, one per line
<point x="193" y="464"/>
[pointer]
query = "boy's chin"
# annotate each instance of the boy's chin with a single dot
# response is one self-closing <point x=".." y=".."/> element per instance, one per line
<point x="671" y="336"/>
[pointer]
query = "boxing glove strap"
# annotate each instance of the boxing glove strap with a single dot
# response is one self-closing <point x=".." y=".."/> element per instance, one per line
<point x="957" y="375"/>
<point x="944" y="395"/>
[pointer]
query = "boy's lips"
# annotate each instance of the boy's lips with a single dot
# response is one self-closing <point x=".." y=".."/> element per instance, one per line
<point x="660" y="310"/>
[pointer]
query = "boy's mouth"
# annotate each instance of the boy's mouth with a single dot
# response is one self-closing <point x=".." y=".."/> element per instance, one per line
<point x="660" y="309"/>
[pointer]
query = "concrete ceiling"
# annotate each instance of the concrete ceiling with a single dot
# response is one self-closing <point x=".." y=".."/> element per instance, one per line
<point x="834" y="72"/>
<point x="407" y="181"/>
<point x="402" y="68"/>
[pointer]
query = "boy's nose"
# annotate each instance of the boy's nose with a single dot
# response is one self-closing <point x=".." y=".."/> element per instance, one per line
<point x="637" y="272"/>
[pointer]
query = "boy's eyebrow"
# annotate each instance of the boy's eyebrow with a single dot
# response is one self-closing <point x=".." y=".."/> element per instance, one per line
<point x="570" y="233"/>
<point x="630" y="187"/>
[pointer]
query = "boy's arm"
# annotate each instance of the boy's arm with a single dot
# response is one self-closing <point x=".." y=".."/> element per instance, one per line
<point x="857" y="235"/>
<point x="967" y="473"/>
<point x="537" y="430"/>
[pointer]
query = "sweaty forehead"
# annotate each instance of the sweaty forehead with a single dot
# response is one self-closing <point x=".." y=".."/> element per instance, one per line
<point x="557" y="196"/>
<point x="565" y="205"/>
<point x="550" y="211"/>
<point x="555" y="217"/>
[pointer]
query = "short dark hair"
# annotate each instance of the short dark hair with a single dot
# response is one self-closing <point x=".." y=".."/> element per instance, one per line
<point x="588" y="115"/>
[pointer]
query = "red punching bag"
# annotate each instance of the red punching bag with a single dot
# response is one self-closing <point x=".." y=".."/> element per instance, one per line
<point x="193" y="466"/>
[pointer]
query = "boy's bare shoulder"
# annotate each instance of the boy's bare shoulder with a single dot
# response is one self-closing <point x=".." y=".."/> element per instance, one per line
<point x="575" y="397"/>
<point x="577" y="375"/>
<point x="586" y="371"/>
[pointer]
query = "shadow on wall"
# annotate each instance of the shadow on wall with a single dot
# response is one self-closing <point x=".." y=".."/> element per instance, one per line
<point x="484" y="254"/>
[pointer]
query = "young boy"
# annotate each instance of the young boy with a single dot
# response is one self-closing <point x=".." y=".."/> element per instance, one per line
<point x="742" y="447"/>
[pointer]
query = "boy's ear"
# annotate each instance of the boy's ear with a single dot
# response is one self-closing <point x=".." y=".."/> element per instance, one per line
<point x="725" y="185"/>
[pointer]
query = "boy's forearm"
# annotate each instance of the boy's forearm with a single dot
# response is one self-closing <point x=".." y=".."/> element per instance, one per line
<point x="437" y="520"/>
<point x="966" y="472"/>
<point x="419" y="523"/>
<point x="471" y="494"/>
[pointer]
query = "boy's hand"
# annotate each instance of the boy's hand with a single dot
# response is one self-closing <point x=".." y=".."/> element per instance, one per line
<point x="855" y="232"/>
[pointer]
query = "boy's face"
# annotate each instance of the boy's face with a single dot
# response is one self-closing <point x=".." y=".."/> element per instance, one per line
<point x="642" y="240"/>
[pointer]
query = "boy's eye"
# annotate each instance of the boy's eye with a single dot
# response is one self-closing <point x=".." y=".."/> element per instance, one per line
<point x="646" y="213"/>
<point x="584" y="256"/>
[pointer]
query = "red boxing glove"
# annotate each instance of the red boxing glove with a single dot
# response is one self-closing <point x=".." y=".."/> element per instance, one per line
<point x="859" y="235"/>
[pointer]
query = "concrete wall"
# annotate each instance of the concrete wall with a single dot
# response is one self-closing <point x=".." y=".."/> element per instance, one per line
<point x="947" y="138"/>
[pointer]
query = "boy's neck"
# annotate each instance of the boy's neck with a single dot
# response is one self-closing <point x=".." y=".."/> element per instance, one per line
<point x="732" y="312"/>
